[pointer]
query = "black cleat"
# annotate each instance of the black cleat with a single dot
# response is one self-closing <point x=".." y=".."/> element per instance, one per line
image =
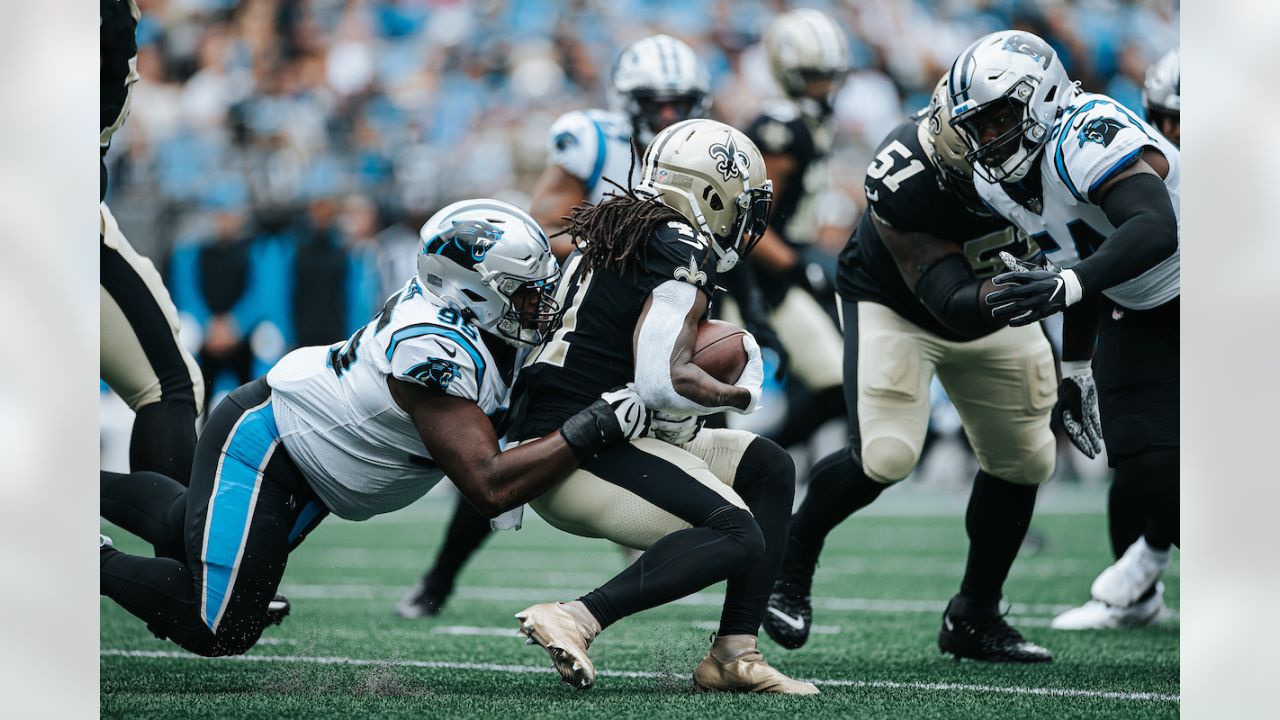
<point x="987" y="638"/>
<point x="789" y="616"/>
<point x="277" y="610"/>
<point x="422" y="600"/>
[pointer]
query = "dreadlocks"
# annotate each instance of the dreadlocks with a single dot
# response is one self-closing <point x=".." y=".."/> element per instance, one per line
<point x="613" y="234"/>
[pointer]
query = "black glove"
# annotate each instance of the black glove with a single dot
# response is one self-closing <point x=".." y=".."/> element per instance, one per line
<point x="1031" y="293"/>
<point x="619" y="415"/>
<point x="1076" y="411"/>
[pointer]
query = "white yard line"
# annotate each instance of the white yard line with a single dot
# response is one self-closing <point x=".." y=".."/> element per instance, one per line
<point x="493" y="667"/>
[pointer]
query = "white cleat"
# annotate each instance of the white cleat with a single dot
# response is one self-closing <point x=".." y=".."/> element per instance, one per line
<point x="1125" y="581"/>
<point x="1097" y="615"/>
<point x="557" y="631"/>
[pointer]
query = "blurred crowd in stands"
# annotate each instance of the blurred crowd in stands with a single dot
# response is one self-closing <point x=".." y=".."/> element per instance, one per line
<point x="281" y="154"/>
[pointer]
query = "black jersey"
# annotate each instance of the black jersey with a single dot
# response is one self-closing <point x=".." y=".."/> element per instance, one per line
<point x="590" y="351"/>
<point x="117" y="27"/>
<point x="783" y="128"/>
<point x="904" y="192"/>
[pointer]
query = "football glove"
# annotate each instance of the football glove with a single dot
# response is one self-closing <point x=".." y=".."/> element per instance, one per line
<point x="618" y="416"/>
<point x="752" y="379"/>
<point x="674" y="428"/>
<point x="1076" y="411"/>
<point x="1031" y="293"/>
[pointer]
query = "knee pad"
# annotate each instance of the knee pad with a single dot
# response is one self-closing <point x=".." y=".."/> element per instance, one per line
<point x="740" y="527"/>
<point x="888" y="459"/>
<point x="1037" y="467"/>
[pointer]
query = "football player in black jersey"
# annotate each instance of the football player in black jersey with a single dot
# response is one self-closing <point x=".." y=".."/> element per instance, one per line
<point x="911" y="284"/>
<point x="704" y="506"/>
<point x="141" y="356"/>
<point x="808" y="57"/>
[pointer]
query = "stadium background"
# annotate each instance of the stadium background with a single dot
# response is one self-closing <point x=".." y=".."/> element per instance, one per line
<point x="278" y="161"/>
<point x="281" y="154"/>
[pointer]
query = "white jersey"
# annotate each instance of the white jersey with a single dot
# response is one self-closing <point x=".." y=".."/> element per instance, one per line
<point x="592" y="145"/>
<point x="358" y="449"/>
<point x="1095" y="138"/>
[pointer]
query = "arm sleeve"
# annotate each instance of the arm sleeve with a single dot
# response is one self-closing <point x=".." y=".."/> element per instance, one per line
<point x="577" y="144"/>
<point x="1146" y="233"/>
<point x="438" y="358"/>
<point x="951" y="292"/>
<point x="659" y="331"/>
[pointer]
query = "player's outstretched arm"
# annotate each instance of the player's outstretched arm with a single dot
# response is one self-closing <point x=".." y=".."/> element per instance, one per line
<point x="663" y="345"/>
<point x="941" y="278"/>
<point x="462" y="442"/>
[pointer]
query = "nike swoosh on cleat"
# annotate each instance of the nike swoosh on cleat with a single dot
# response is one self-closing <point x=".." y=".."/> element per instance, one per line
<point x="794" y="623"/>
<point x="947" y="621"/>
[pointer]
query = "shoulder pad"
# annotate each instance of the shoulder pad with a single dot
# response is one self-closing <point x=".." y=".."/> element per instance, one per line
<point x="781" y="109"/>
<point x="677" y="252"/>
<point x="575" y="143"/>
<point x="438" y="357"/>
<point x="1096" y="138"/>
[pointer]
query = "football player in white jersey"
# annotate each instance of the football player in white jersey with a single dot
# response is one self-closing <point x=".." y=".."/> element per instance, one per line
<point x="1141" y="545"/>
<point x="1097" y="188"/>
<point x="656" y="82"/>
<point x="363" y="427"/>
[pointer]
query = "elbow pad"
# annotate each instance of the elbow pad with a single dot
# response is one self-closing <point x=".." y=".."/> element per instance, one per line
<point x="1146" y="233"/>
<point x="950" y="292"/>
<point x="672" y="301"/>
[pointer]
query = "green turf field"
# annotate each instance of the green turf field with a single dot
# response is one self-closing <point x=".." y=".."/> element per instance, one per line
<point x="879" y="593"/>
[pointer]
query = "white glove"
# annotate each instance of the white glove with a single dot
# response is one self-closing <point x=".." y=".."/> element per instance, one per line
<point x="1077" y="408"/>
<point x="628" y="409"/>
<point x="752" y="379"/>
<point x="674" y="428"/>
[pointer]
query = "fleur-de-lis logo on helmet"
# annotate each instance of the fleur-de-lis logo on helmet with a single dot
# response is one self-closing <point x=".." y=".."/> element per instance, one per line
<point x="730" y="160"/>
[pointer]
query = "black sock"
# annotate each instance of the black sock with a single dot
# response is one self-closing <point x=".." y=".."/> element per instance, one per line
<point x="164" y="439"/>
<point x="149" y="505"/>
<point x="467" y="531"/>
<point x="837" y="488"/>
<point x="726" y="544"/>
<point x="997" y="519"/>
<point x="765" y="481"/>
<point x="1125" y="519"/>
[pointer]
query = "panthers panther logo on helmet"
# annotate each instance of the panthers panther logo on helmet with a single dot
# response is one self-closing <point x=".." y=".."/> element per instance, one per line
<point x="1100" y="130"/>
<point x="466" y="243"/>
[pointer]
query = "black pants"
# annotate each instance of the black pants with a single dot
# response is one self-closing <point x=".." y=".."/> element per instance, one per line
<point x="1137" y="369"/>
<point x="246" y="508"/>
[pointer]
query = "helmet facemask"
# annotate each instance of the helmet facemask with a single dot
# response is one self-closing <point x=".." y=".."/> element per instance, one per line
<point x="1008" y="156"/>
<point x="531" y="309"/>
<point x="645" y="106"/>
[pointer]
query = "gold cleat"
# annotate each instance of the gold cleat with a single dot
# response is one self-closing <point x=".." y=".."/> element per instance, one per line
<point x="564" y="638"/>
<point x="746" y="671"/>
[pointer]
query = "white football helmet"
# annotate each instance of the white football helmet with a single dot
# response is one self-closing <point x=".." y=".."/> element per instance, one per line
<point x="1162" y="91"/>
<point x="492" y="263"/>
<point x="805" y="44"/>
<point x="1011" y="83"/>
<point x="715" y="177"/>
<point x="655" y="71"/>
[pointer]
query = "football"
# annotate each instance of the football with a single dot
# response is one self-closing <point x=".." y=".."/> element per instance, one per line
<point x="718" y="350"/>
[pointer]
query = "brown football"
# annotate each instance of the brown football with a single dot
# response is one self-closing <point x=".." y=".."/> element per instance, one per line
<point x="718" y="350"/>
